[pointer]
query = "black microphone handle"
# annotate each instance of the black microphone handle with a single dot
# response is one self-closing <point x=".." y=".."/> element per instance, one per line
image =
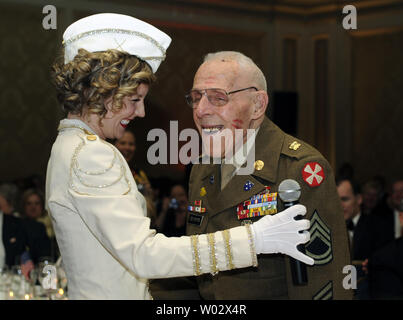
<point x="298" y="268"/>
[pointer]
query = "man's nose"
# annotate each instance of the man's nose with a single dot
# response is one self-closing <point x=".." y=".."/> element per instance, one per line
<point x="204" y="106"/>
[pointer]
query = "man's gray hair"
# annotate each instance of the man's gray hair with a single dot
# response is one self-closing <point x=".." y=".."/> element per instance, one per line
<point x="243" y="61"/>
<point x="9" y="192"/>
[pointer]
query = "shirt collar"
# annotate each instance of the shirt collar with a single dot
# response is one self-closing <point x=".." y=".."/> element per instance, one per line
<point x="242" y="153"/>
<point x="74" y="123"/>
<point x="356" y="218"/>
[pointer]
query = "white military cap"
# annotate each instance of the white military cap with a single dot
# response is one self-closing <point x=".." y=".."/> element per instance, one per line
<point x="104" y="31"/>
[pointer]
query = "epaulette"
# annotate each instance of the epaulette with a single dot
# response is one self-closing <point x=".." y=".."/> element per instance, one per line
<point x="96" y="165"/>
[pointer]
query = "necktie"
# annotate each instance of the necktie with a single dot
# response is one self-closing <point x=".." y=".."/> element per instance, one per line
<point x="227" y="171"/>
<point x="350" y="225"/>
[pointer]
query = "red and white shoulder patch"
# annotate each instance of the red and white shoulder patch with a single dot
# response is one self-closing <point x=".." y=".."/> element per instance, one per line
<point x="313" y="174"/>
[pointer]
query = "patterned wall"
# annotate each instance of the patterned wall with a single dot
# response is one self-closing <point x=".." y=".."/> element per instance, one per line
<point x="378" y="105"/>
<point x="27" y="102"/>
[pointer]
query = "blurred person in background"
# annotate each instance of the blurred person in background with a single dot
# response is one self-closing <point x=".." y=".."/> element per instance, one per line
<point x="12" y="240"/>
<point x="33" y="204"/>
<point x="127" y="146"/>
<point x="389" y="216"/>
<point x="371" y="196"/>
<point x="8" y="199"/>
<point x="385" y="265"/>
<point x="172" y="218"/>
<point x="359" y="230"/>
<point x="37" y="225"/>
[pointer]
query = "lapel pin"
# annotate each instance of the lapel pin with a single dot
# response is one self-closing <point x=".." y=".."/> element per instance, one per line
<point x="203" y="192"/>
<point x="248" y="185"/>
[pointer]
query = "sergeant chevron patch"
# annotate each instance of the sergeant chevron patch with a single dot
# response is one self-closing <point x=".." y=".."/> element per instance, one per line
<point x="326" y="293"/>
<point x="319" y="247"/>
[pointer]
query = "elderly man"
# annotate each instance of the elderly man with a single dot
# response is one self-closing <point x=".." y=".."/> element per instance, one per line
<point x="229" y="94"/>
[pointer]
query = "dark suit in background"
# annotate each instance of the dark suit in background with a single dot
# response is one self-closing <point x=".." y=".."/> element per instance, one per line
<point x="369" y="235"/>
<point x="386" y="271"/>
<point x="386" y="260"/>
<point x="37" y="239"/>
<point x="14" y="239"/>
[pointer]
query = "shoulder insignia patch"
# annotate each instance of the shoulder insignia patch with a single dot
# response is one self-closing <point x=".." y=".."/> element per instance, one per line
<point x="313" y="174"/>
<point x="319" y="246"/>
<point x="326" y="293"/>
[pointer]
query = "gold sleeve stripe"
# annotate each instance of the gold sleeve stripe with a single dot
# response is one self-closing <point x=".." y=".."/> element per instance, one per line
<point x="213" y="258"/>
<point x="196" y="255"/>
<point x="251" y="245"/>
<point x="228" y="249"/>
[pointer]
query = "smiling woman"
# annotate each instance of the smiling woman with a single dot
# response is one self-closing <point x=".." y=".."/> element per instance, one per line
<point x="105" y="89"/>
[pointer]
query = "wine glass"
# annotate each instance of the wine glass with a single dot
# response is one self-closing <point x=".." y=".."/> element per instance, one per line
<point x="62" y="282"/>
<point x="17" y="286"/>
<point x="32" y="279"/>
<point x="5" y="281"/>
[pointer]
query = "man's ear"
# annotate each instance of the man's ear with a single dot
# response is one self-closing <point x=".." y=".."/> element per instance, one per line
<point x="260" y="104"/>
<point x="359" y="199"/>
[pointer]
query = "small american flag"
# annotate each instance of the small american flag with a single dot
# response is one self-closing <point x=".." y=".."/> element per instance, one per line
<point x="26" y="264"/>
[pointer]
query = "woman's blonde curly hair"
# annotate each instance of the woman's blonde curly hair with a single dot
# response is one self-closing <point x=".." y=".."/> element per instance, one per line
<point x="92" y="77"/>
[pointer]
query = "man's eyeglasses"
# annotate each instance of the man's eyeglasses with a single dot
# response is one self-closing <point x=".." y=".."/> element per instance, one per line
<point x="217" y="97"/>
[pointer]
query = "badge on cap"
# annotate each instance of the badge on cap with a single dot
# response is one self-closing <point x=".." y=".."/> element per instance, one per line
<point x="313" y="174"/>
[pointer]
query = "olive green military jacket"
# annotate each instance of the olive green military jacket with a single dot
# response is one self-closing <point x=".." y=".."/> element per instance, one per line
<point x="278" y="156"/>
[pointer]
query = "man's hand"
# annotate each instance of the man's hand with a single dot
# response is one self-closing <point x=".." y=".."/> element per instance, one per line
<point x="280" y="233"/>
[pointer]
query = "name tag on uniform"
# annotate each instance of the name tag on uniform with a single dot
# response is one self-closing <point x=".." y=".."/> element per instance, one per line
<point x="195" y="219"/>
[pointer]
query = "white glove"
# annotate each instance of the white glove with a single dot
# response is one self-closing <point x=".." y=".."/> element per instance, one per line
<point x="280" y="233"/>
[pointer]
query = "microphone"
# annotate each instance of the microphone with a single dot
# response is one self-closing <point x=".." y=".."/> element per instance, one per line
<point x="289" y="192"/>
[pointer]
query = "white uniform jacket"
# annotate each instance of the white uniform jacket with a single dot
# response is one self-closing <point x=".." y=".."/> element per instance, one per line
<point x="103" y="233"/>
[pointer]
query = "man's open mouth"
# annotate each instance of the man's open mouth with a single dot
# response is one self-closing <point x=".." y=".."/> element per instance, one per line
<point x="211" y="130"/>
